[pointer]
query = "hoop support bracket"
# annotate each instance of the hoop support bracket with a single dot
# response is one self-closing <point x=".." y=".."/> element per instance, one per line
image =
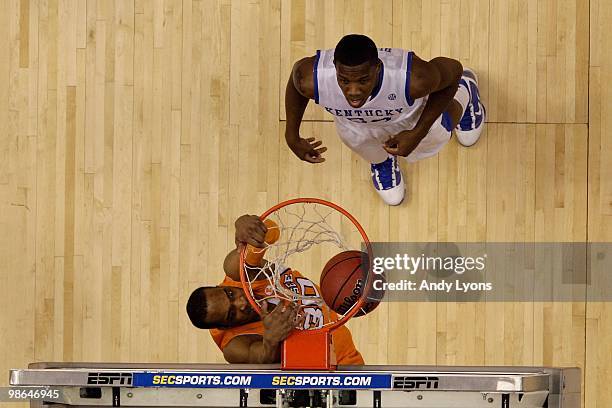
<point x="304" y="350"/>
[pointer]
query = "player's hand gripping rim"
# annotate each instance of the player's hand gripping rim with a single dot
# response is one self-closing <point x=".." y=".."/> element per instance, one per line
<point x="250" y="229"/>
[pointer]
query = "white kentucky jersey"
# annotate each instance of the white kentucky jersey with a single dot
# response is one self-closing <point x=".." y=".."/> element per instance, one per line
<point x="389" y="107"/>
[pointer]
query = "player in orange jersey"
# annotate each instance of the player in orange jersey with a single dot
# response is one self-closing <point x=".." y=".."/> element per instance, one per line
<point x="244" y="336"/>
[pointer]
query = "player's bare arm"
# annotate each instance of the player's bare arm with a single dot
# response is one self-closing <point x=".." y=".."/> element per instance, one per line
<point x="300" y="89"/>
<point x="438" y="78"/>
<point x="255" y="349"/>
<point x="249" y="230"/>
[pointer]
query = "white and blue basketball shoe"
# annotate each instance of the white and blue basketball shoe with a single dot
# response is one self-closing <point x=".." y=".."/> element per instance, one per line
<point x="388" y="181"/>
<point x="470" y="126"/>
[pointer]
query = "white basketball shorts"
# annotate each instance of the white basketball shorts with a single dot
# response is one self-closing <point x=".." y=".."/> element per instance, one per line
<point x="368" y="141"/>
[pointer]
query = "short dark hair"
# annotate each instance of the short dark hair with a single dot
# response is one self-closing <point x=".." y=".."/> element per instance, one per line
<point x="355" y="49"/>
<point x="197" y="307"/>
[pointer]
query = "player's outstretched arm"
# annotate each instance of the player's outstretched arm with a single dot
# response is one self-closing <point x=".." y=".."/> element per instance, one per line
<point x="438" y="78"/>
<point x="300" y="89"/>
<point x="264" y="349"/>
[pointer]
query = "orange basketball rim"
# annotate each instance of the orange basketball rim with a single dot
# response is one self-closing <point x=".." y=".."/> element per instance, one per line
<point x="308" y="349"/>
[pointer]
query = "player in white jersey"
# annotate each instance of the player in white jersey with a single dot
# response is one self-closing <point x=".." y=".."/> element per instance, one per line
<point x="386" y="103"/>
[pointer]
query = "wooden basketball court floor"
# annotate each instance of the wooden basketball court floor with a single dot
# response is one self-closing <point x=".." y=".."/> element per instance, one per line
<point x="133" y="133"/>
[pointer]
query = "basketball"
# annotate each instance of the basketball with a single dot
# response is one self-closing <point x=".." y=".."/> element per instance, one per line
<point x="342" y="282"/>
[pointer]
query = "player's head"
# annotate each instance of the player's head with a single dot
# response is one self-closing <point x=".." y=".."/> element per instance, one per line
<point x="357" y="68"/>
<point x="219" y="307"/>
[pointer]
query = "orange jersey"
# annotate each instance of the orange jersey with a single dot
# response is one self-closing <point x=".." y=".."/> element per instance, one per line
<point x="346" y="353"/>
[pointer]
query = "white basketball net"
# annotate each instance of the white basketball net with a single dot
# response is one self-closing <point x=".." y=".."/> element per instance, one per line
<point x="309" y="237"/>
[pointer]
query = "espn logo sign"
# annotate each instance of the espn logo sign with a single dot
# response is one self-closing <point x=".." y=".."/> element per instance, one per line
<point x="416" y="383"/>
<point x="109" y="378"/>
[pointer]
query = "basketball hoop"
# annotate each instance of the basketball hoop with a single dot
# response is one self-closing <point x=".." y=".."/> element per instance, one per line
<point x="300" y="232"/>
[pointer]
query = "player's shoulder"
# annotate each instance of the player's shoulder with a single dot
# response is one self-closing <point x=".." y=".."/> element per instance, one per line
<point x="423" y="79"/>
<point x="303" y="78"/>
